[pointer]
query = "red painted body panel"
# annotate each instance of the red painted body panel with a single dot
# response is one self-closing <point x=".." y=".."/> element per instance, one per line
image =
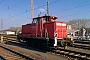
<point x="50" y="29"/>
<point x="61" y="29"/>
<point x="56" y="27"/>
<point x="43" y="29"/>
<point x="29" y="30"/>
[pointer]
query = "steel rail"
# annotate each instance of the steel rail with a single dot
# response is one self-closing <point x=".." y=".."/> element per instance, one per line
<point x="17" y="53"/>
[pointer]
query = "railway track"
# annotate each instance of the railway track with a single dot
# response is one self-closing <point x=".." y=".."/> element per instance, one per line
<point x="71" y="54"/>
<point x="42" y="49"/>
<point x="2" y="58"/>
<point x="9" y="54"/>
<point x="82" y="41"/>
<point x="82" y="46"/>
<point x="68" y="53"/>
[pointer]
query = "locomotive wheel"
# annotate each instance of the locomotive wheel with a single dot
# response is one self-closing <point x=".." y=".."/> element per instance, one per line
<point x="62" y="43"/>
<point x="19" y="40"/>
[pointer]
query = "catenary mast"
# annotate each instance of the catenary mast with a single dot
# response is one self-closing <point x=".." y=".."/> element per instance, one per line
<point x="32" y="9"/>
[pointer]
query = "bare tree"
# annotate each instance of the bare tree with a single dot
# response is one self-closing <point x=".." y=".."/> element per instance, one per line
<point x="15" y="29"/>
<point x="79" y="23"/>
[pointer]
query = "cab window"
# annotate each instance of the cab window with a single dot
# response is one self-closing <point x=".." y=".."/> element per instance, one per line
<point x="34" y="21"/>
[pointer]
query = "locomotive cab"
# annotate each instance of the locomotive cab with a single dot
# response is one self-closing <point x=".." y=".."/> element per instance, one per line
<point x="45" y="19"/>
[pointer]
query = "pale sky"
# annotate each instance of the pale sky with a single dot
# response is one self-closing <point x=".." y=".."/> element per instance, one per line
<point x="17" y="12"/>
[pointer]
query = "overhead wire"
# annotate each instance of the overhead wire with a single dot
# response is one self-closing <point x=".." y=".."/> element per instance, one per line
<point x="50" y="3"/>
<point x="17" y="3"/>
<point x="46" y="5"/>
<point x="54" y="1"/>
<point x="19" y="21"/>
<point x="34" y="9"/>
<point x="9" y="7"/>
<point x="1" y="1"/>
<point x="76" y="13"/>
<point x="30" y="10"/>
<point x="58" y="11"/>
<point x="71" y="8"/>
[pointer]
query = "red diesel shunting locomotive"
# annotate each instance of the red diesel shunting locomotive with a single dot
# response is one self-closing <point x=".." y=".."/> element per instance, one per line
<point x="44" y="31"/>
